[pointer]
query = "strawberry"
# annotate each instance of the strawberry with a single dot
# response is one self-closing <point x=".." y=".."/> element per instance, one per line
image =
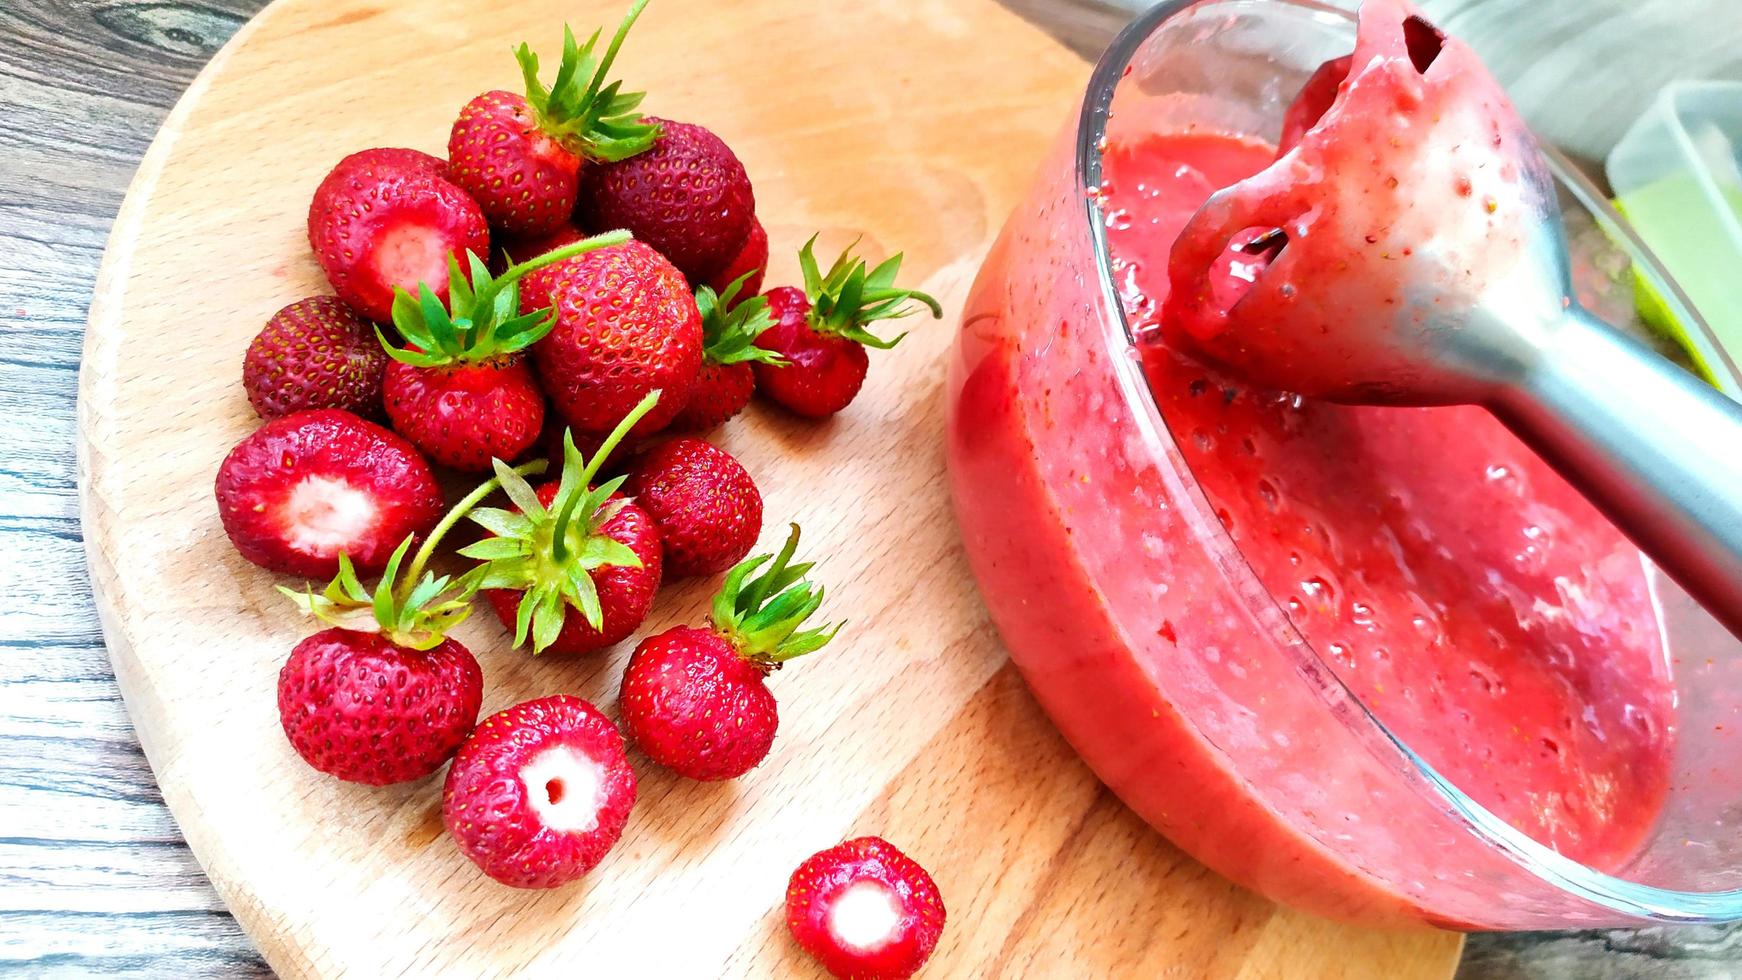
<point x="540" y="792"/>
<point x="520" y="156"/>
<point x="708" y="510"/>
<point x="730" y="327"/>
<point x="524" y="247"/>
<point x="749" y="264"/>
<point x="865" y="910"/>
<point x="626" y="325"/>
<point x="384" y="696"/>
<point x="695" y="699"/>
<point x="820" y="332"/>
<point x="688" y="197"/>
<point x="387" y="218"/>
<point x="303" y="489"/>
<point x="573" y="567"/>
<point x="314" y="353"/>
<point x="461" y="392"/>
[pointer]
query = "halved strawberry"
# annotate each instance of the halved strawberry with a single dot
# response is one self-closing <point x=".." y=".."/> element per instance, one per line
<point x="461" y="391"/>
<point x="314" y="353"/>
<point x="303" y="489"/>
<point x="626" y="325"/>
<point x="730" y="326"/>
<point x="688" y="197"/>
<point x="388" y="220"/>
<point x="865" y="910"/>
<point x="572" y="567"/>
<point x="820" y="332"/>
<point x="540" y="792"/>
<point x="520" y="156"/>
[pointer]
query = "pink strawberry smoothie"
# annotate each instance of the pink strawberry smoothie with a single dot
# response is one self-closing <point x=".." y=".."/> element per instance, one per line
<point x="1157" y="600"/>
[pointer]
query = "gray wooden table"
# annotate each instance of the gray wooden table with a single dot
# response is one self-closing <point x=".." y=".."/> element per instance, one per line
<point x="94" y="876"/>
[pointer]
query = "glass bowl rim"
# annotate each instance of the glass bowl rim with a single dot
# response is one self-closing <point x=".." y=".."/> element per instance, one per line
<point x="1617" y="894"/>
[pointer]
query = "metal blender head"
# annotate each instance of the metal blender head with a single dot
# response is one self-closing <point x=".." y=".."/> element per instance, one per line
<point x="1406" y="248"/>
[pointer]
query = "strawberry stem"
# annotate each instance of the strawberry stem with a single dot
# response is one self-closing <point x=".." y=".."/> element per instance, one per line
<point x="452" y="517"/>
<point x="590" y="469"/>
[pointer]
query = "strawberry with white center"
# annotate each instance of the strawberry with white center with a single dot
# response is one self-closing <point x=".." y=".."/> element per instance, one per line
<point x="461" y="391"/>
<point x="540" y="792"/>
<point x="385" y="696"/>
<point x="303" y="489"/>
<point x="520" y="156"/>
<point x="821" y="331"/>
<point x="386" y="218"/>
<point x="573" y="567"/>
<point x="696" y="700"/>
<point x="865" y="910"/>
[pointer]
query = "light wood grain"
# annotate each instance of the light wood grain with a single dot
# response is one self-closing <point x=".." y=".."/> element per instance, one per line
<point x="915" y="727"/>
<point x="95" y="875"/>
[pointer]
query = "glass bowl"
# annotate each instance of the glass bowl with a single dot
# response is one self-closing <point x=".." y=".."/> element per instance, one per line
<point x="1148" y="636"/>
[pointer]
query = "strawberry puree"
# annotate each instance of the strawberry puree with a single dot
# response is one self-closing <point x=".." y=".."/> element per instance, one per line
<point x="1452" y="583"/>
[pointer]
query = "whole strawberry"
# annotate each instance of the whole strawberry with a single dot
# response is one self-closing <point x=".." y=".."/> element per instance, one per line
<point x="708" y="510"/>
<point x="820" y="331"/>
<point x="387" y="218"/>
<point x="461" y="392"/>
<point x="314" y="353"/>
<point x="540" y="792"/>
<point x="695" y="699"/>
<point x="688" y="197"/>
<point x="520" y="156"/>
<point x="730" y="326"/>
<point x="302" y="490"/>
<point x="749" y="265"/>
<point x="385" y="696"/>
<point x="626" y="325"/>
<point x="573" y="567"/>
<point x="865" y="910"/>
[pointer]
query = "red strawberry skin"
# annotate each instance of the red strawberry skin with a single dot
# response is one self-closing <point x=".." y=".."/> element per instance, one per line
<point x="707" y="507"/>
<point x="524" y="181"/>
<point x="696" y="707"/>
<point x="354" y="171"/>
<point x="502" y="801"/>
<point x="314" y="353"/>
<point x="824" y="878"/>
<point x="523" y="247"/>
<point x="824" y="372"/>
<point x="626" y="325"/>
<point x="384" y="222"/>
<point x="688" y="197"/>
<point x="625" y="593"/>
<point x="303" y="488"/>
<point x="752" y="259"/>
<point x="356" y="706"/>
<point x="721" y="391"/>
<point x="463" y="415"/>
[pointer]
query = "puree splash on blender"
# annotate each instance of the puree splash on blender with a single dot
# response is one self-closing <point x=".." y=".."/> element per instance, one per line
<point x="1477" y="605"/>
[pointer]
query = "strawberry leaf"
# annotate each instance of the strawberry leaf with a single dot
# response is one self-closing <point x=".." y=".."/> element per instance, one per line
<point x="846" y="299"/>
<point x="730" y="327"/>
<point x="761" y="616"/>
<point x="589" y="117"/>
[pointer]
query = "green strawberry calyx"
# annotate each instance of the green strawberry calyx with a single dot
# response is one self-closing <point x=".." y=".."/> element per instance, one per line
<point x="411" y="607"/>
<point x="482" y="319"/>
<point x="549" y="554"/>
<point x="849" y="297"/>
<point x="730" y="326"/>
<point x="590" y="118"/>
<point x="760" y="617"/>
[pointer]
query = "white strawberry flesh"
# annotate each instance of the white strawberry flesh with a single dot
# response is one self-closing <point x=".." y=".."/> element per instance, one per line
<point x="865" y="917"/>
<point x="565" y="789"/>
<point x="324" y="515"/>
<point x="408" y="253"/>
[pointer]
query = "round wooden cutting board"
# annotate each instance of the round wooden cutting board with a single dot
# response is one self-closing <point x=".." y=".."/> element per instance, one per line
<point x="914" y="123"/>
